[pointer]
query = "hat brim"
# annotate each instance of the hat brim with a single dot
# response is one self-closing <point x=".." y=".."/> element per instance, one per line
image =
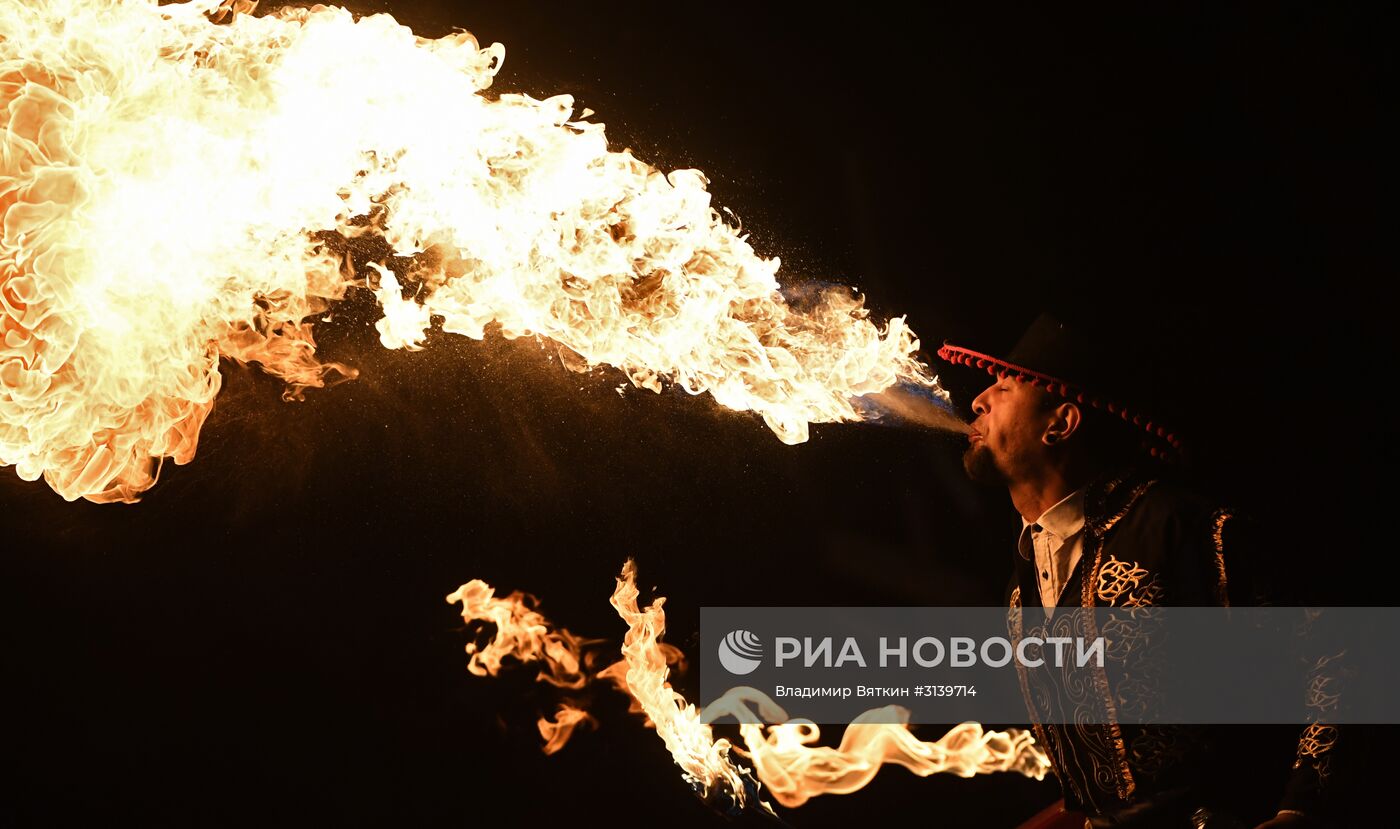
<point x="995" y="366"/>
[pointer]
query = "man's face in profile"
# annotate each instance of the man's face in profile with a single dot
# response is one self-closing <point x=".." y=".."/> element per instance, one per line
<point x="1005" y="440"/>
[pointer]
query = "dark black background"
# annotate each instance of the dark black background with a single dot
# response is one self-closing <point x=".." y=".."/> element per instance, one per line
<point x="265" y="639"/>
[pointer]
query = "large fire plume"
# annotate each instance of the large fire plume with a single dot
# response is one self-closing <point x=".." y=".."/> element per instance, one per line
<point x="785" y="756"/>
<point x="173" y="180"/>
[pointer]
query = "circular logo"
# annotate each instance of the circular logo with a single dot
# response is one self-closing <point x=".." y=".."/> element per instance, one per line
<point x="740" y="652"/>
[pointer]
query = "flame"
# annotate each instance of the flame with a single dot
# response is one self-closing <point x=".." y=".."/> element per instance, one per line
<point x="523" y="634"/>
<point x="704" y="760"/>
<point x="557" y="731"/>
<point x="172" y="178"/>
<point x="795" y="770"/>
<point x="785" y="756"/>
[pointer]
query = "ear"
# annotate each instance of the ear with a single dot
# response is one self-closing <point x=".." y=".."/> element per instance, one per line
<point x="1064" y="421"/>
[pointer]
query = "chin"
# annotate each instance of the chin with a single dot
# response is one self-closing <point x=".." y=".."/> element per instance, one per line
<point x="981" y="466"/>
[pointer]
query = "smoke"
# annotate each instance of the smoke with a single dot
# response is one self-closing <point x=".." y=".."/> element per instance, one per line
<point x="910" y="405"/>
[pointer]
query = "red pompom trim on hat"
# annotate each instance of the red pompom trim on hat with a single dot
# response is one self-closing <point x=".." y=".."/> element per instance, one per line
<point x="957" y="355"/>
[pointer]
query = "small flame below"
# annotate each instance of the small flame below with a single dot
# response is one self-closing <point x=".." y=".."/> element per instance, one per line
<point x="704" y="760"/>
<point x="795" y="770"/>
<point x="522" y="634"/>
<point x="785" y="756"/>
<point x="557" y="731"/>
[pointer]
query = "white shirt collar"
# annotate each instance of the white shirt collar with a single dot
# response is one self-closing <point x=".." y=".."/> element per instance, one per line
<point x="1064" y="519"/>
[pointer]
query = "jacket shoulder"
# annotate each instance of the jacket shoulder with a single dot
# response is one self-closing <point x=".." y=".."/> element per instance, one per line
<point x="1169" y="532"/>
<point x="1172" y="498"/>
<point x="1164" y="512"/>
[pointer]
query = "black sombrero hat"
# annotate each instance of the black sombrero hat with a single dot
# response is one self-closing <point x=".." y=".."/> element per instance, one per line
<point x="1069" y="362"/>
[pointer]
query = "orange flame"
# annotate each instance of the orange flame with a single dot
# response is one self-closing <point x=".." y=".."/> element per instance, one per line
<point x="522" y="634"/>
<point x="168" y="184"/>
<point x="557" y="731"/>
<point x="795" y="770"/>
<point x="785" y="757"/>
<point x="704" y="760"/>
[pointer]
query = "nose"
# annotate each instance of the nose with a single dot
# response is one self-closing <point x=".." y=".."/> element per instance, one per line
<point x="979" y="405"/>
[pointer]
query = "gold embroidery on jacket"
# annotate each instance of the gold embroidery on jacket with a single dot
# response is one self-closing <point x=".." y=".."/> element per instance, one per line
<point x="1125" y="784"/>
<point x="1321" y="696"/>
<point x="1314" y="748"/>
<point x="1096" y="763"/>
<point x="1317" y="739"/>
<point x="1037" y="703"/>
<point x="1118" y="579"/>
<point x="1106" y="524"/>
<point x="1155" y="746"/>
<point x="1222" y="592"/>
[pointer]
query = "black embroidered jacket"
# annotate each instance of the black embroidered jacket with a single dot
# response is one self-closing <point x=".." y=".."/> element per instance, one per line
<point x="1152" y="543"/>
